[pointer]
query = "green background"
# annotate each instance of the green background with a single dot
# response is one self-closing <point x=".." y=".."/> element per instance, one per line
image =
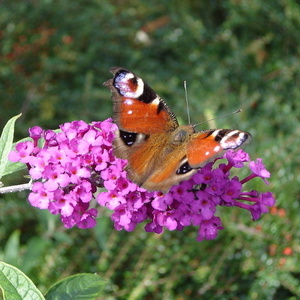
<point x="55" y="55"/>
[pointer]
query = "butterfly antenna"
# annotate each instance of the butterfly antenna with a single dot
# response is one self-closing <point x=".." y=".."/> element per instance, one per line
<point x="222" y="116"/>
<point x="187" y="102"/>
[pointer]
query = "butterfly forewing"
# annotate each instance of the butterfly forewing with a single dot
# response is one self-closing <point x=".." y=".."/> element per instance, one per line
<point x="137" y="108"/>
<point x="207" y="145"/>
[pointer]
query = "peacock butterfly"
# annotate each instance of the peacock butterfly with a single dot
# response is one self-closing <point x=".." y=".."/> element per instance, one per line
<point x="160" y="152"/>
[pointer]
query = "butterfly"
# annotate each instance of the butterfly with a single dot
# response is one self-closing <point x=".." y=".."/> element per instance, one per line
<point x="160" y="152"/>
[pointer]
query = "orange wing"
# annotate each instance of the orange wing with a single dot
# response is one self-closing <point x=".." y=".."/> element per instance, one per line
<point x="137" y="108"/>
<point x="207" y="145"/>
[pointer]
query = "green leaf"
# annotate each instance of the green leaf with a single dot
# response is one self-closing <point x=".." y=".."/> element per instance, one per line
<point x="80" y="286"/>
<point x="6" y="141"/>
<point x="35" y="250"/>
<point x="12" y="167"/>
<point x="16" y="285"/>
<point x="12" y="248"/>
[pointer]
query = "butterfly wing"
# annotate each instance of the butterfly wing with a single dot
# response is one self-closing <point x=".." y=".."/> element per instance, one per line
<point x="136" y="107"/>
<point x="207" y="145"/>
<point x="144" y="122"/>
<point x="193" y="151"/>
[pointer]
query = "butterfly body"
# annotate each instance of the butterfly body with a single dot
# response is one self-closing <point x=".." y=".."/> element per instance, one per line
<point x="160" y="153"/>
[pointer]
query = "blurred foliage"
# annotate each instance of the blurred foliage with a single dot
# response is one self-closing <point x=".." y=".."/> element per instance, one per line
<point x="56" y="54"/>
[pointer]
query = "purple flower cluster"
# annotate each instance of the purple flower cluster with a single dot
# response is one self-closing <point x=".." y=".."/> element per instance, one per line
<point x="66" y="166"/>
<point x="73" y="167"/>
